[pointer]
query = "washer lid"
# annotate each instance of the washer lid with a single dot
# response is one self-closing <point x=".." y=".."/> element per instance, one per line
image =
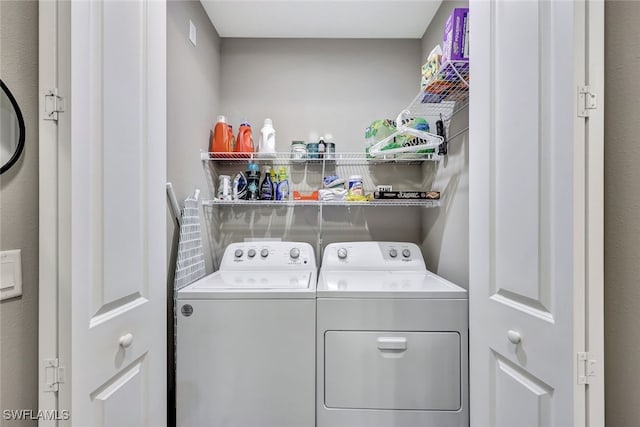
<point x="386" y="284"/>
<point x="252" y="284"/>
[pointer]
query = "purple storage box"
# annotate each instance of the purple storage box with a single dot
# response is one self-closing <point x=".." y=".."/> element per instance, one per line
<point x="456" y="36"/>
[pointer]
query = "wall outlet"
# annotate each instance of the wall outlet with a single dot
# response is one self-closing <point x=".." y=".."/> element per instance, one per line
<point x="192" y="32"/>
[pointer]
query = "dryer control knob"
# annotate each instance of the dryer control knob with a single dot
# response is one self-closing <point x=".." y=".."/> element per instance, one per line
<point x="294" y="253"/>
<point x="393" y="253"/>
<point x="238" y="253"/>
<point x="406" y="253"/>
<point x="342" y="253"/>
<point x="251" y="253"/>
<point x="264" y="253"/>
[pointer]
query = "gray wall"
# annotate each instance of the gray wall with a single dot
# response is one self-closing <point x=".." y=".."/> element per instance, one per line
<point x="622" y="212"/>
<point x="321" y="86"/>
<point x="193" y="94"/>
<point x="446" y="230"/>
<point x="193" y="86"/>
<point x="19" y="212"/>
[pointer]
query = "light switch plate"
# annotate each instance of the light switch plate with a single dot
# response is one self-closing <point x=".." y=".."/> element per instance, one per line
<point x="192" y="32"/>
<point x="10" y="274"/>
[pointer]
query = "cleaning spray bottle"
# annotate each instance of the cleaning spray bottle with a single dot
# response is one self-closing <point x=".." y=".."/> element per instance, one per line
<point x="267" y="143"/>
<point x="282" y="192"/>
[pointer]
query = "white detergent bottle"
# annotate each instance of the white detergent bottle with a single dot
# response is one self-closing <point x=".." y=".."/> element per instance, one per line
<point x="267" y="143"/>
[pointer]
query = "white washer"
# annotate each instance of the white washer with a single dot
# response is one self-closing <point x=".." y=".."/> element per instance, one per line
<point x="392" y="340"/>
<point x="246" y="340"/>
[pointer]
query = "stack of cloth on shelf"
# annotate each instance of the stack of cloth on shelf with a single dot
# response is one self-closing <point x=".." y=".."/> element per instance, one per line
<point x="333" y="190"/>
<point x="332" y="194"/>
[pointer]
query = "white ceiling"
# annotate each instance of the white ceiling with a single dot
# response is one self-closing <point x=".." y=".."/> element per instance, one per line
<point x="321" y="19"/>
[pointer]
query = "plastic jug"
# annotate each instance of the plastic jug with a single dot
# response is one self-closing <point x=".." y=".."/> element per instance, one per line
<point x="267" y="144"/>
<point x="220" y="142"/>
<point x="244" y="141"/>
<point x="232" y="139"/>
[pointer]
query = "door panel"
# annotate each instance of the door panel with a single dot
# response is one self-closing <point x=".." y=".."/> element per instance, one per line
<point x="121" y="119"/>
<point x="533" y="397"/>
<point x="520" y="150"/>
<point x="117" y="393"/>
<point x="117" y="292"/>
<point x="117" y="118"/>
<point x="525" y="253"/>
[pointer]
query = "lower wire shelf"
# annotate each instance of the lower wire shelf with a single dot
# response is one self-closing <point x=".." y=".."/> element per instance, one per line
<point x="292" y="203"/>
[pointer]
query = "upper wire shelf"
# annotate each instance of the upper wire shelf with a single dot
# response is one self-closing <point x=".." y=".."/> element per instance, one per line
<point x="441" y="97"/>
<point x="444" y="94"/>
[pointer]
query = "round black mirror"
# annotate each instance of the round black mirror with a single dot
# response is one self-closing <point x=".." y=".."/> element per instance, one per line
<point x="11" y="129"/>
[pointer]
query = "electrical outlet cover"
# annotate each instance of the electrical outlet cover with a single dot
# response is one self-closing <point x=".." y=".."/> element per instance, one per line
<point x="10" y="274"/>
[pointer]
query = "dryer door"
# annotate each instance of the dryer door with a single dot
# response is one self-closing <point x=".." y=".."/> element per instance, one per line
<point x="392" y="370"/>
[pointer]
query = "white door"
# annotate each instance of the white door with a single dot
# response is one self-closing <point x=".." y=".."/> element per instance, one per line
<point x="528" y="213"/>
<point x="109" y="209"/>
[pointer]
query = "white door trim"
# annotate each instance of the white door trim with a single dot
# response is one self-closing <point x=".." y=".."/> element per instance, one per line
<point x="48" y="206"/>
<point x="579" y="214"/>
<point x="595" y="213"/>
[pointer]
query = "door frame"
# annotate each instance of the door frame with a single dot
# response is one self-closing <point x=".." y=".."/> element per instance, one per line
<point x="52" y="34"/>
<point x="595" y="152"/>
<point x="53" y="180"/>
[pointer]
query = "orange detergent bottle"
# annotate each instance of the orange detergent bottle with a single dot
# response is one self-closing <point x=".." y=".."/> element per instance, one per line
<point x="232" y="139"/>
<point x="220" y="141"/>
<point x="244" y="141"/>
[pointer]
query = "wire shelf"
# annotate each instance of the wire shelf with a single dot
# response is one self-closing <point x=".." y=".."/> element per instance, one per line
<point x="293" y="203"/>
<point x="287" y="158"/>
<point x="444" y="94"/>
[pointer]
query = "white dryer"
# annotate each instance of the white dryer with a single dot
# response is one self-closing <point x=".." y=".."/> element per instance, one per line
<point x="392" y="340"/>
<point x="246" y="340"/>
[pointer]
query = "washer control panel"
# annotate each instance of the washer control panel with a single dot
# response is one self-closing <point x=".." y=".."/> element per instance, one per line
<point x="373" y="256"/>
<point x="268" y="255"/>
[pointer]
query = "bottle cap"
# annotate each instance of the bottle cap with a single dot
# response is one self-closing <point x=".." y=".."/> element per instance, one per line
<point x="222" y="119"/>
<point x="254" y="167"/>
<point x="328" y="138"/>
<point x="268" y="122"/>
